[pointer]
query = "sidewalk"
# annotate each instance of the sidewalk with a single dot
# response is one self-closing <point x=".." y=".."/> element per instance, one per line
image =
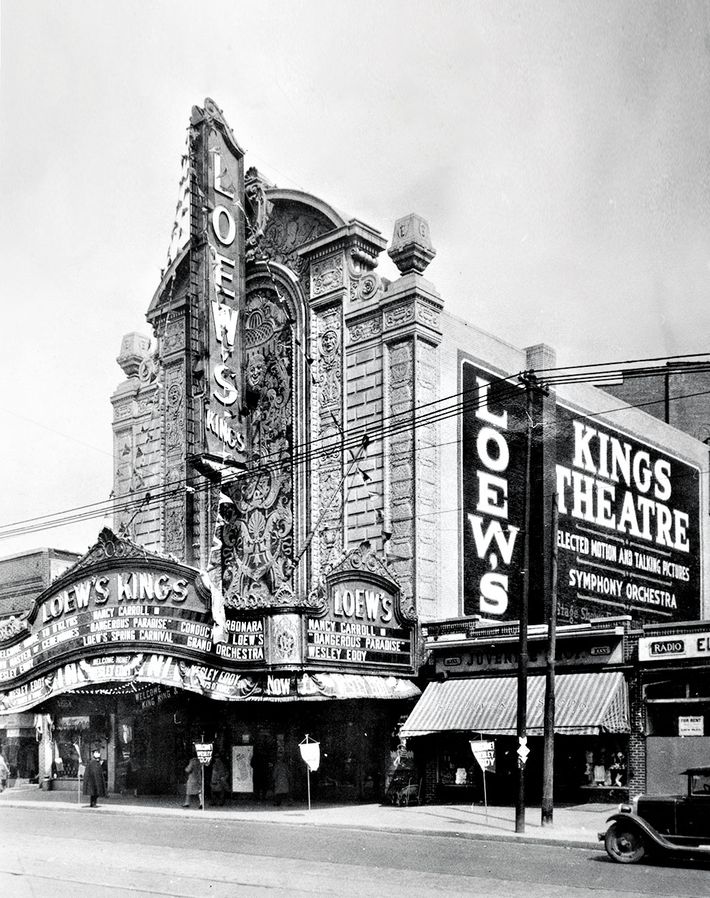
<point x="575" y="826"/>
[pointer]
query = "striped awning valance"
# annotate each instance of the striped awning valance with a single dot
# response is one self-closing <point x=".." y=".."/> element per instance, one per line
<point x="586" y="704"/>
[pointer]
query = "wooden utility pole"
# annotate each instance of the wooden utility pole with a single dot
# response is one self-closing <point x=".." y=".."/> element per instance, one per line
<point x="548" y="761"/>
<point x="523" y="626"/>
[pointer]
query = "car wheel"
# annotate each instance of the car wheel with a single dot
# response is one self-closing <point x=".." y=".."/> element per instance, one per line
<point x="624" y="844"/>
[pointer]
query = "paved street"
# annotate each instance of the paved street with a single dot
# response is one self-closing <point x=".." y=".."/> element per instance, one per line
<point x="50" y="851"/>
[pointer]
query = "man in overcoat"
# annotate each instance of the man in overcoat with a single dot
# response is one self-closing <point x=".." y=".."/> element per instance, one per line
<point x="94" y="779"/>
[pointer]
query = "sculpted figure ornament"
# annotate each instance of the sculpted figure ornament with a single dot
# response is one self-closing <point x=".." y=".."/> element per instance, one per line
<point x="258" y="532"/>
<point x="289" y="227"/>
<point x="258" y="211"/>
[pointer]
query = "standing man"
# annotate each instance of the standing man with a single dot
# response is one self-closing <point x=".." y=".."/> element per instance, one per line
<point x="219" y="782"/>
<point x="281" y="779"/>
<point x="94" y="779"/>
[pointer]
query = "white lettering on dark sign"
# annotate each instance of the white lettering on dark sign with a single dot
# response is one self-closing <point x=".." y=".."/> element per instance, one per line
<point x="360" y="628"/>
<point x="628" y="534"/>
<point x="493" y="474"/>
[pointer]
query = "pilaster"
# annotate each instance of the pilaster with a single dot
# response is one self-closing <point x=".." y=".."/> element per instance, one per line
<point x="341" y="284"/>
<point x="410" y="335"/>
<point x="137" y="432"/>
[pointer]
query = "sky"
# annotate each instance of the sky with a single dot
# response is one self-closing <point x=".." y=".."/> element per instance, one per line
<point x="560" y="152"/>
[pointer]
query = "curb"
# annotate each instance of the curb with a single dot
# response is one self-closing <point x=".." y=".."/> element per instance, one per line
<point x="572" y="842"/>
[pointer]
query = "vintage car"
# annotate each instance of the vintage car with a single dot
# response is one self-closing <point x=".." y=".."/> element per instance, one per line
<point x="676" y="826"/>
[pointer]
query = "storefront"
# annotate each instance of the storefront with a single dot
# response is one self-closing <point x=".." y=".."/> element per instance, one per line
<point x="474" y="696"/>
<point x="674" y="677"/>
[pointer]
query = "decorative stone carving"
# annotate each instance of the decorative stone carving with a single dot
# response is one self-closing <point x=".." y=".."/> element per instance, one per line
<point x="365" y="284"/>
<point x="174" y="338"/>
<point x="365" y="329"/>
<point x="369" y="287"/>
<point x="330" y="360"/>
<point x="108" y="545"/>
<point x="364" y="558"/>
<point x="330" y="424"/>
<point x="326" y="275"/>
<point x="290" y="226"/>
<point x="122" y="411"/>
<point x="12" y="627"/>
<point x="148" y="370"/>
<point x="427" y="314"/>
<point x="285" y="643"/>
<point x="174" y="528"/>
<point x="258" y="212"/>
<point x="258" y="550"/>
<point x="401" y="314"/>
<point x="411" y="249"/>
<point x="134" y="349"/>
<point x="400" y="381"/>
<point x="174" y="411"/>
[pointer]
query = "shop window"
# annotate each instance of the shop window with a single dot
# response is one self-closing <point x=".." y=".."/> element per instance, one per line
<point x="457" y="766"/>
<point x="666" y="689"/>
<point x="700" y="784"/>
<point x="663" y="720"/>
<point x="74" y="740"/>
<point x="605" y="764"/>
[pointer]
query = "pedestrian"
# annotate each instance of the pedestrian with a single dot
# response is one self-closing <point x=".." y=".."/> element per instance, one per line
<point x="281" y="780"/>
<point x="260" y="773"/>
<point x="94" y="785"/>
<point x="219" y="782"/>
<point x="193" y="786"/>
<point x="4" y="772"/>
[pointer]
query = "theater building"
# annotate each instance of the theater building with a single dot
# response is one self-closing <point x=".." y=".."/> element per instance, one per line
<point x="312" y="465"/>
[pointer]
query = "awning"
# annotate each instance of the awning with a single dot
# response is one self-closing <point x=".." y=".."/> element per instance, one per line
<point x="585" y="704"/>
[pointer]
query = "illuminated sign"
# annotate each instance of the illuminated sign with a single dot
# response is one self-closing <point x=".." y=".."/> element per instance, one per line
<point x="220" y="178"/>
<point x="493" y="479"/>
<point x="137" y="607"/>
<point x="360" y="627"/>
<point x="629" y="518"/>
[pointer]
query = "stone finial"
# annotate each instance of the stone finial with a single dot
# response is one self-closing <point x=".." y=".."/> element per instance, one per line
<point x="411" y="249"/>
<point x="135" y="348"/>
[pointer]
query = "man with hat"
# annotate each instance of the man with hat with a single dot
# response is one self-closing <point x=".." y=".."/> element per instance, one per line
<point x="94" y="779"/>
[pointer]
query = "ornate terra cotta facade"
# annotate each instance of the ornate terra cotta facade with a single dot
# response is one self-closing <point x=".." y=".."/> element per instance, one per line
<point x="274" y="500"/>
<point x="253" y="436"/>
<point x="328" y="364"/>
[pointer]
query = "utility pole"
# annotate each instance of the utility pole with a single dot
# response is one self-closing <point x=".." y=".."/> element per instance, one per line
<point x="548" y="761"/>
<point x="528" y="379"/>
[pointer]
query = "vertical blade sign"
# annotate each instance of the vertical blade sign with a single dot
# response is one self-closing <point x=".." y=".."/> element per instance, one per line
<point x="493" y="480"/>
<point x="220" y="179"/>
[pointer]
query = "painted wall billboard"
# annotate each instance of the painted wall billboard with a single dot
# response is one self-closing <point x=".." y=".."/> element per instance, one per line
<point x="629" y="526"/>
<point x="628" y="539"/>
<point x="494" y="445"/>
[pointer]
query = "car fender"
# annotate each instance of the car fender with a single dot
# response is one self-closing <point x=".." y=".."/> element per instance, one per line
<point x="649" y="833"/>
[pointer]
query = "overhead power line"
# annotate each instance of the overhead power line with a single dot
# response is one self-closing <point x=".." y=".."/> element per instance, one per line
<point x="426" y="414"/>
